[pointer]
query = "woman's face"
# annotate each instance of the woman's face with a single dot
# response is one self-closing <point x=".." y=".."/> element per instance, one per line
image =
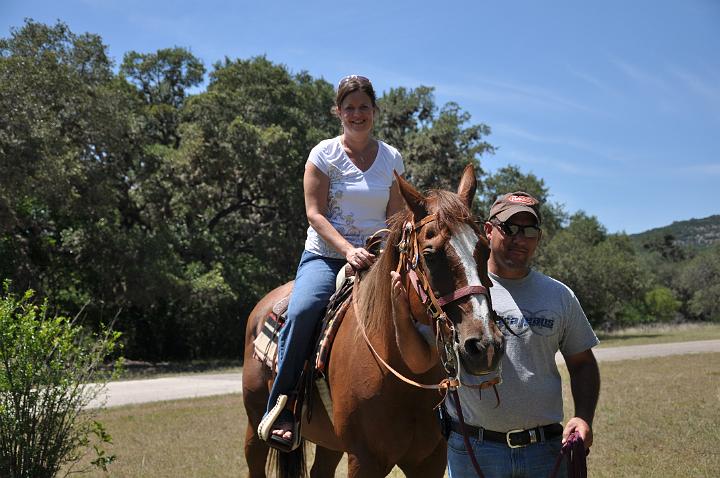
<point x="357" y="112"/>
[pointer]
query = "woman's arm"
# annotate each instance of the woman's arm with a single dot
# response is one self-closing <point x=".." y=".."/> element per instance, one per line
<point x="317" y="188"/>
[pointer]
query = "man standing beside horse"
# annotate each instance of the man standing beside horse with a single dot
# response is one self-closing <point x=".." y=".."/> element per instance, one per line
<point x="522" y="436"/>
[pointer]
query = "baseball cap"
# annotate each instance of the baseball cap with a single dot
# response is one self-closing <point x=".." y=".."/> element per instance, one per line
<point x="512" y="203"/>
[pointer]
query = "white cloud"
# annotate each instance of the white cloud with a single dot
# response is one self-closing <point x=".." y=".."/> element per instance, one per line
<point x="708" y="89"/>
<point x="643" y="78"/>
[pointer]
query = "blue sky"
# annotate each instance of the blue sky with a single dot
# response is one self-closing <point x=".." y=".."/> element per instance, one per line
<point x="615" y="104"/>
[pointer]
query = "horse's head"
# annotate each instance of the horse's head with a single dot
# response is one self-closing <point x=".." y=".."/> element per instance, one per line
<point x="451" y="265"/>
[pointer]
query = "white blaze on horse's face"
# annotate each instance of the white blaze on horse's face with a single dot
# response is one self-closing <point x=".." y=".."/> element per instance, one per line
<point x="464" y="240"/>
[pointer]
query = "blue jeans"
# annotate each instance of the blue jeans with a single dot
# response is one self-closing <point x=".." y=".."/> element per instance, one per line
<point x="497" y="460"/>
<point x="314" y="285"/>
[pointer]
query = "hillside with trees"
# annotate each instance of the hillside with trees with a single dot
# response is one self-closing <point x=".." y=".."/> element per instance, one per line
<point x="122" y="196"/>
<point x="693" y="233"/>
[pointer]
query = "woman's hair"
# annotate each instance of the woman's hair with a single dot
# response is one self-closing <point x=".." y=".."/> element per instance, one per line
<point x="351" y="84"/>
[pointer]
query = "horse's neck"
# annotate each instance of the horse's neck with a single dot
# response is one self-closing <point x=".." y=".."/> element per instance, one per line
<point x="382" y="334"/>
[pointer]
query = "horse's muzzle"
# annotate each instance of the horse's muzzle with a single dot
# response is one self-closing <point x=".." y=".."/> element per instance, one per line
<point x="480" y="356"/>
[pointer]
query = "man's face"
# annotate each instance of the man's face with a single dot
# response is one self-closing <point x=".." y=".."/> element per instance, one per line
<point x="510" y="255"/>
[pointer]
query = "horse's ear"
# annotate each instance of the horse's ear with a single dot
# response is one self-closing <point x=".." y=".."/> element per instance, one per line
<point x="468" y="185"/>
<point x="414" y="200"/>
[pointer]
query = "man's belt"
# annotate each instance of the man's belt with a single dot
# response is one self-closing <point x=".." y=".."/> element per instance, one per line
<point x="513" y="438"/>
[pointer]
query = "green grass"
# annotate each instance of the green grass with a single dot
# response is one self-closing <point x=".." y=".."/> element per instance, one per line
<point x="656" y="418"/>
<point x="655" y="334"/>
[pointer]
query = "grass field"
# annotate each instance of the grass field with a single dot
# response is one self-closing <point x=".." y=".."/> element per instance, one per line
<point x="655" y="334"/>
<point x="656" y="418"/>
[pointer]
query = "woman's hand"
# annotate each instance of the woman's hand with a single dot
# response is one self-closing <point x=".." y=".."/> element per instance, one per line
<point x="359" y="258"/>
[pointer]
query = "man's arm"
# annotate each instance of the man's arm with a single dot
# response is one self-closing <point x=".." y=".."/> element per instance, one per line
<point x="585" y="386"/>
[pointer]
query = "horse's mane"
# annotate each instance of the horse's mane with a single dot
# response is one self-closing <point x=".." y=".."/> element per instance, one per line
<point x="374" y="303"/>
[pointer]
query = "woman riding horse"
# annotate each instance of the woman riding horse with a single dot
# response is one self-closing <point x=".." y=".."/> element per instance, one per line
<point x="349" y="193"/>
<point x="378" y="418"/>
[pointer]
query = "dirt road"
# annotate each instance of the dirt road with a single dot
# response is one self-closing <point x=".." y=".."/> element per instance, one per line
<point x="201" y="385"/>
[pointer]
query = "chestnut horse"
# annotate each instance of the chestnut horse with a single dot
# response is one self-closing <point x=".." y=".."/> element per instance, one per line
<point x="378" y="419"/>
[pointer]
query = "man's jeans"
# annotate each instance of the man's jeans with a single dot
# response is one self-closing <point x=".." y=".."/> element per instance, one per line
<point x="497" y="460"/>
<point x="314" y="285"/>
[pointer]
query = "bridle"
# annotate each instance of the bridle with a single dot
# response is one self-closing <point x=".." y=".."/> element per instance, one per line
<point x="445" y="331"/>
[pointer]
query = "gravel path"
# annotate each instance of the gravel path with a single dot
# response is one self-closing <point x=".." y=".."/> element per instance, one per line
<point x="202" y="385"/>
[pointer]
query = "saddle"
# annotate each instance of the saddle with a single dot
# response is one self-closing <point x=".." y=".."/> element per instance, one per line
<point x="266" y="343"/>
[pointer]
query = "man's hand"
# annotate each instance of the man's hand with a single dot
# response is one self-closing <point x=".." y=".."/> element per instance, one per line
<point x="577" y="424"/>
<point x="400" y="303"/>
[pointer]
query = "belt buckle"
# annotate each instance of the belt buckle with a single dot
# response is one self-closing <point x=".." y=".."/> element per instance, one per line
<point x="507" y="438"/>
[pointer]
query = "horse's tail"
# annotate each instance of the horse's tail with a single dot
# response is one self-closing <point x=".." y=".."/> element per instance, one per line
<point x="289" y="464"/>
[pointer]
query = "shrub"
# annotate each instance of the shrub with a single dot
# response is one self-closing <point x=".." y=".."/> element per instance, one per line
<point x="47" y="369"/>
<point x="661" y="304"/>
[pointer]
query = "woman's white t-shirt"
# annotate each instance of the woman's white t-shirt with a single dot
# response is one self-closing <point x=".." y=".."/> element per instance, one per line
<point x="357" y="200"/>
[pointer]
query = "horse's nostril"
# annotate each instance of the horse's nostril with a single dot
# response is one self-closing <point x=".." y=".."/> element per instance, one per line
<point x="474" y="346"/>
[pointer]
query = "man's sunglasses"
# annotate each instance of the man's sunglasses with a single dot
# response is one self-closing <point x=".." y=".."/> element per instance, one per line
<point x="510" y="229"/>
<point x="344" y="80"/>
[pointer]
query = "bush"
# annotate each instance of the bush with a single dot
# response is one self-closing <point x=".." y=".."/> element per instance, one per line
<point x="47" y="365"/>
<point x="661" y="304"/>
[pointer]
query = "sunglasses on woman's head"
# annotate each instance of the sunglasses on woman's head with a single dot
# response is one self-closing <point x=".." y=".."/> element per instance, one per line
<point x="352" y="77"/>
<point x="510" y="229"/>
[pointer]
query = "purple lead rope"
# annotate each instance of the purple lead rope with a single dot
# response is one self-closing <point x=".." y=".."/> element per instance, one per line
<point x="574" y="450"/>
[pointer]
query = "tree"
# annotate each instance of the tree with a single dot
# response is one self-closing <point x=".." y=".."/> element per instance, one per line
<point x="601" y="269"/>
<point x="699" y="283"/>
<point x="436" y="144"/>
<point x="162" y="79"/>
<point x="60" y="138"/>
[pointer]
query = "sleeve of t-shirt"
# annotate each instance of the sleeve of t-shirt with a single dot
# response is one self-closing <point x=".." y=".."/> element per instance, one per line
<point x="578" y="335"/>
<point x="319" y="159"/>
<point x="398" y="165"/>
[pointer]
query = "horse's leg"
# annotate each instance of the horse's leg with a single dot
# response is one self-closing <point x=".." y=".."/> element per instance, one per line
<point x="325" y="463"/>
<point x="255" y="395"/>
<point x="256" y="452"/>
<point x="366" y="466"/>
<point x="432" y="466"/>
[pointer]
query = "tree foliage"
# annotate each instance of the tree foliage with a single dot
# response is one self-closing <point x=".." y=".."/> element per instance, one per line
<point x="699" y="283"/>
<point x="602" y="269"/>
<point x="436" y="143"/>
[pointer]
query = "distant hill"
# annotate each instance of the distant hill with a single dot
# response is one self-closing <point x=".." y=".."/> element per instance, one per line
<point x="693" y="233"/>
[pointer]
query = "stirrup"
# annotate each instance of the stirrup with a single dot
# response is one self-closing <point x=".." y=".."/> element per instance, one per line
<point x="266" y="424"/>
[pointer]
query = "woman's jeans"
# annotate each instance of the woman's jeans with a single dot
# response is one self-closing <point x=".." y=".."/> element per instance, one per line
<point x="314" y="285"/>
<point x="497" y="460"/>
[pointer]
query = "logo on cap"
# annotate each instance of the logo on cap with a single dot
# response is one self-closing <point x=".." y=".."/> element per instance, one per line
<point x="522" y="199"/>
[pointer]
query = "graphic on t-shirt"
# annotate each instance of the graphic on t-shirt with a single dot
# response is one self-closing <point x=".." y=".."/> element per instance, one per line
<point x="539" y="322"/>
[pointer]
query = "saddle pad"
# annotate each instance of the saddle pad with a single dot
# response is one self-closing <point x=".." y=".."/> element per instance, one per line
<point x="265" y="344"/>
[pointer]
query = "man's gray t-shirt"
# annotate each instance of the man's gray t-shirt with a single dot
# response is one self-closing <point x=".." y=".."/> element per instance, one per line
<point x="547" y="317"/>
